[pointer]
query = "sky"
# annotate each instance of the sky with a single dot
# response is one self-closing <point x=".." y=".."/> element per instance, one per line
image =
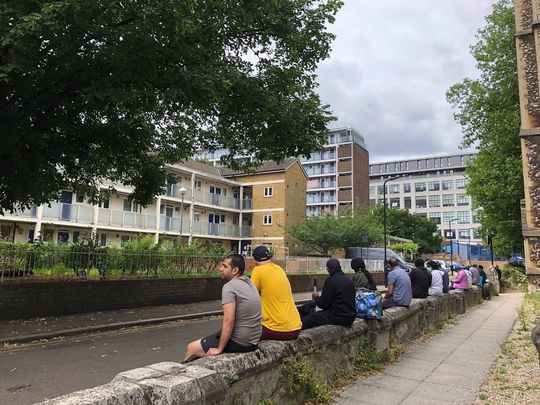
<point x="391" y="64"/>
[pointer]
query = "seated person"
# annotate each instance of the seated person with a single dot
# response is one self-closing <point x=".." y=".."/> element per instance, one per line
<point x="362" y="278"/>
<point x="469" y="276"/>
<point x="475" y="273"/>
<point x="460" y="281"/>
<point x="337" y="301"/>
<point x="437" y="274"/>
<point x="241" y="328"/>
<point x="398" y="293"/>
<point x="280" y="318"/>
<point x="420" y="280"/>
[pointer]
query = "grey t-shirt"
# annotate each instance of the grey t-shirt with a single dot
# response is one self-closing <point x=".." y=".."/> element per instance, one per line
<point x="247" y="325"/>
<point x="402" y="294"/>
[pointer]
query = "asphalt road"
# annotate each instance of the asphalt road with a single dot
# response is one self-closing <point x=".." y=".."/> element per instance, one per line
<point x="36" y="372"/>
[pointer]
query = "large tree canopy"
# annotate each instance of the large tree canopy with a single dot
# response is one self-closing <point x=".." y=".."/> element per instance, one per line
<point x="488" y="111"/>
<point x="107" y="89"/>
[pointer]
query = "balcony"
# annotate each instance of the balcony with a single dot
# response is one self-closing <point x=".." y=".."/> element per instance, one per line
<point x="216" y="199"/>
<point x="318" y="156"/>
<point x="125" y="219"/>
<point x="173" y="190"/>
<point x="172" y="224"/>
<point x="69" y="212"/>
<point x="318" y="171"/>
<point x="321" y="200"/>
<point x="225" y="230"/>
<point x="25" y="213"/>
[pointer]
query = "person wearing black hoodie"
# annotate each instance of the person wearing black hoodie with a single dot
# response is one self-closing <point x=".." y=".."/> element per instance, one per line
<point x="336" y="301"/>
<point x="420" y="280"/>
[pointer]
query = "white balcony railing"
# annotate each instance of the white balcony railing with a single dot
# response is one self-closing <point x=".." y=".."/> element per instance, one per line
<point x="126" y="219"/>
<point x="69" y="212"/>
<point x="26" y="213"/>
<point x="172" y="224"/>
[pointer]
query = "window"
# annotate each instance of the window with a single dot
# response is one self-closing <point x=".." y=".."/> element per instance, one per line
<point x="447" y="216"/>
<point x="380" y="189"/>
<point x="435" y="217"/>
<point x="407" y="202"/>
<point x="76" y="236"/>
<point x="448" y="200"/>
<point x="267" y="220"/>
<point x="421" y="202"/>
<point x="407" y="187"/>
<point x="461" y="184"/>
<point x="130" y="206"/>
<point x="434" y="201"/>
<point x="434" y="186"/>
<point x="104" y="202"/>
<point x="79" y="198"/>
<point x="372" y="189"/>
<point x="47" y="235"/>
<point x="103" y="239"/>
<point x="394" y="202"/>
<point x="475" y="218"/>
<point x="421" y="214"/>
<point x="447" y="184"/>
<point x="198" y="185"/>
<point x="476" y="234"/>
<point x="420" y="186"/>
<point x="462" y="199"/>
<point x="463" y="217"/>
<point x="124" y="239"/>
<point x="464" y="234"/>
<point x="394" y="189"/>
<point x="268" y="191"/>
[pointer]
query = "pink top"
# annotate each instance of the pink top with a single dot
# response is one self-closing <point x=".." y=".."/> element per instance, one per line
<point x="460" y="281"/>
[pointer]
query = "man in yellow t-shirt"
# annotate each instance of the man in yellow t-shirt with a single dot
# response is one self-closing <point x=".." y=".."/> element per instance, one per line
<point x="280" y="318"/>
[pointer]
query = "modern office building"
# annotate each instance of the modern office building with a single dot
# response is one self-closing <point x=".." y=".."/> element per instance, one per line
<point x="432" y="187"/>
<point x="209" y="204"/>
<point x="338" y="174"/>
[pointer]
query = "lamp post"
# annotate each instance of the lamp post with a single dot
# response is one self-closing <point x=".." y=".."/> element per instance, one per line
<point x="451" y="244"/>
<point x="384" y="226"/>
<point x="183" y="192"/>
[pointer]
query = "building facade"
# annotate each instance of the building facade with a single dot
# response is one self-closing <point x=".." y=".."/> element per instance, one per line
<point x="218" y="207"/>
<point x="433" y="187"/>
<point x="338" y="174"/>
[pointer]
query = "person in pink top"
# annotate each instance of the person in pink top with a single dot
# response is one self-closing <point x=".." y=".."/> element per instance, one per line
<point x="460" y="281"/>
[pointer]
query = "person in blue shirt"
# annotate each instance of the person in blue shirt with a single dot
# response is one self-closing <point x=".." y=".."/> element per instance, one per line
<point x="399" y="292"/>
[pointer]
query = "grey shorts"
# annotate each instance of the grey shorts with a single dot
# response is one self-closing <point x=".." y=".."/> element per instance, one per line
<point x="212" y="341"/>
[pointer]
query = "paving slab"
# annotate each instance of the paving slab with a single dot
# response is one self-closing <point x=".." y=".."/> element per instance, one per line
<point x="447" y="369"/>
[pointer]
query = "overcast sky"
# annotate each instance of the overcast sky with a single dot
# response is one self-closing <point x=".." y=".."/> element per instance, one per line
<point x="390" y="67"/>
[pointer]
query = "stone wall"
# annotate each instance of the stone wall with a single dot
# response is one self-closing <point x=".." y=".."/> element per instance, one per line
<point x="248" y="378"/>
<point x="24" y="299"/>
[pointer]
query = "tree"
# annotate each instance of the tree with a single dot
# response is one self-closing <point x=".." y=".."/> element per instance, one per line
<point x="407" y="247"/>
<point x="403" y="224"/>
<point x="326" y="233"/>
<point x="488" y="111"/>
<point x="109" y="90"/>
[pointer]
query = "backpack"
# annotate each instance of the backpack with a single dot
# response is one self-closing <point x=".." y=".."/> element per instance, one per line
<point x="368" y="304"/>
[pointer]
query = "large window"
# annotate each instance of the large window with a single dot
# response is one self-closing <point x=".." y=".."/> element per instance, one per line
<point x="407" y="187"/>
<point x="394" y="202"/>
<point x="464" y="217"/>
<point x="420" y="186"/>
<point x="447" y="184"/>
<point x="372" y="190"/>
<point x="434" y="186"/>
<point x="434" y="201"/>
<point x="394" y="189"/>
<point x="448" y="200"/>
<point x="407" y="202"/>
<point x="461" y="184"/>
<point x="421" y="202"/>
<point x="267" y="220"/>
<point x="436" y="217"/>
<point x="447" y="216"/>
<point x="464" y="234"/>
<point x="462" y="199"/>
<point x="130" y="206"/>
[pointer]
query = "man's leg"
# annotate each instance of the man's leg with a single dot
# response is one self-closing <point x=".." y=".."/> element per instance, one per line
<point x="317" y="319"/>
<point x="194" y="351"/>
<point x="388" y="303"/>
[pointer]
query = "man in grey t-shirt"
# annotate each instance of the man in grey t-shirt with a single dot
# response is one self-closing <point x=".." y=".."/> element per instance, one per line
<point x="241" y="328"/>
<point x="399" y="292"/>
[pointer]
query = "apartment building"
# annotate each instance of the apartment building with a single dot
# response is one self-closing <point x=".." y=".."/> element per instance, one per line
<point x="205" y="204"/>
<point x="338" y="174"/>
<point x="432" y="187"/>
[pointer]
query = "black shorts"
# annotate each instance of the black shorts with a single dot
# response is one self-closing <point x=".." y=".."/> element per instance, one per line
<point x="212" y="341"/>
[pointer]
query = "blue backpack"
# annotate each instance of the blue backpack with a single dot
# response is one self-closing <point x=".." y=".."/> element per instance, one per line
<point x="368" y="304"/>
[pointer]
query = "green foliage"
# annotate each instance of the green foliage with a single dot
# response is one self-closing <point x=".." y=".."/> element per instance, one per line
<point x="514" y="277"/>
<point x="103" y="89"/>
<point x="326" y="233"/>
<point x="367" y="358"/>
<point x="408" y="247"/>
<point x="298" y="379"/>
<point x="488" y="112"/>
<point x="403" y="224"/>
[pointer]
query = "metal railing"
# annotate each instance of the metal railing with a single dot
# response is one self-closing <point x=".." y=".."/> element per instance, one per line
<point x="102" y="263"/>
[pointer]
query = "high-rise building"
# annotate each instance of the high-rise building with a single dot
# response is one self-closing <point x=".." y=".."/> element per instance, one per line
<point x="431" y="187"/>
<point x="338" y="174"/>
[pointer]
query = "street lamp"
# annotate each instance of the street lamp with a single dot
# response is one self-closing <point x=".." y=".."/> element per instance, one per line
<point x="451" y="244"/>
<point x="384" y="226"/>
<point x="183" y="192"/>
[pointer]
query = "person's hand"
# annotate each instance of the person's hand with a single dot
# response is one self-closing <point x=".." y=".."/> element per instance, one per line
<point x="315" y="295"/>
<point x="213" y="351"/>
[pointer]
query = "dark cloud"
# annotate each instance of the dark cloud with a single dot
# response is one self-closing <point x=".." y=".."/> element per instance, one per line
<point x="391" y="65"/>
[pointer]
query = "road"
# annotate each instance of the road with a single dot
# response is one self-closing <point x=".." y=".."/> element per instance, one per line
<point x="36" y="372"/>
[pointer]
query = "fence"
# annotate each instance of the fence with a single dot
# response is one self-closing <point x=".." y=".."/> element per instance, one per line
<point x="310" y="264"/>
<point x="104" y="263"/>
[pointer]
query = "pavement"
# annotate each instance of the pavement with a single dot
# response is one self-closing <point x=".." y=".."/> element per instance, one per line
<point x="447" y="369"/>
<point x="34" y="329"/>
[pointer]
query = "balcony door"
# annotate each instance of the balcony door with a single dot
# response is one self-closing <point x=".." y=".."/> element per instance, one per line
<point x="66" y="199"/>
<point x="215" y="193"/>
<point x="213" y="224"/>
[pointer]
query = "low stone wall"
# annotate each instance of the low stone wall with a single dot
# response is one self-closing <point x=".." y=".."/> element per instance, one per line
<point x="25" y="299"/>
<point x="329" y="351"/>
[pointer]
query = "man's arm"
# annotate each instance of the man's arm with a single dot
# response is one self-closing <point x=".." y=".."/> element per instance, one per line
<point x="229" y="311"/>
<point x="389" y="291"/>
<point x="326" y="297"/>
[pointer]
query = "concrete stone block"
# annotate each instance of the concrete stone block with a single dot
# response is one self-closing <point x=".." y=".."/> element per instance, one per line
<point x="137" y="374"/>
<point x="167" y="367"/>
<point x="177" y="389"/>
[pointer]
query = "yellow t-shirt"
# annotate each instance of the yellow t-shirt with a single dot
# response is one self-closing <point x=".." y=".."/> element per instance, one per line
<point x="278" y="310"/>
